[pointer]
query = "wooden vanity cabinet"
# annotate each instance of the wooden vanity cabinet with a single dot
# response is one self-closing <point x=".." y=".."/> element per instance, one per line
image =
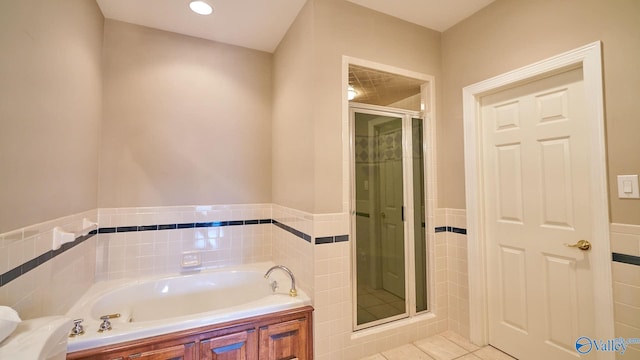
<point x="283" y="335"/>
<point x="285" y="340"/>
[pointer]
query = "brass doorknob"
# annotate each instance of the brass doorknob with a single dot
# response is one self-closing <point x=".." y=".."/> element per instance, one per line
<point x="581" y="244"/>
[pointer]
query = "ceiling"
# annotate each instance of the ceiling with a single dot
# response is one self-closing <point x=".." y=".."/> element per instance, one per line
<point x="261" y="24"/>
<point x="433" y="14"/>
<point x="254" y="24"/>
<point x="378" y="87"/>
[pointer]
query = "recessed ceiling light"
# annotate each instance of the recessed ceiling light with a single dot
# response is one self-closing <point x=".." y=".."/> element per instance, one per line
<point x="351" y="93"/>
<point x="200" y="7"/>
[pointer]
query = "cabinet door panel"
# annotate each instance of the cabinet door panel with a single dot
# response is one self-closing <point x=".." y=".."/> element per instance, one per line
<point x="238" y="346"/>
<point x="178" y="352"/>
<point x="284" y="341"/>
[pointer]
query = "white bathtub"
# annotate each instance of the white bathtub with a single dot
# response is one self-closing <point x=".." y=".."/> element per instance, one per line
<point x="160" y="305"/>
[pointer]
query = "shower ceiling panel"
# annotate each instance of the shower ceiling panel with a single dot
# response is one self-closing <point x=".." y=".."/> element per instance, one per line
<point x="381" y="88"/>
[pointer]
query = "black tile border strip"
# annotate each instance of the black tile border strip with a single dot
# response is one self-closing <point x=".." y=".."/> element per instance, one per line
<point x="120" y="229"/>
<point x="457" y="230"/>
<point x="126" y="228"/>
<point x="324" y="240"/>
<point x="20" y="270"/>
<point x="626" y="259"/>
<point x="148" y="227"/>
<point x="451" y="229"/>
<point x="287" y="228"/>
<point x="331" y="239"/>
<point x="33" y="263"/>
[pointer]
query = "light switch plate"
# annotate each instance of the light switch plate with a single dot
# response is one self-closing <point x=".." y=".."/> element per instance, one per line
<point x="628" y="187"/>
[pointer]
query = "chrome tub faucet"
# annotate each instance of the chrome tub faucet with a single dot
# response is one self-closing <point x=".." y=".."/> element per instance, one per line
<point x="292" y="291"/>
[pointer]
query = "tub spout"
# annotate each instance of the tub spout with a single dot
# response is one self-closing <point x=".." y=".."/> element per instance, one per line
<point x="293" y="291"/>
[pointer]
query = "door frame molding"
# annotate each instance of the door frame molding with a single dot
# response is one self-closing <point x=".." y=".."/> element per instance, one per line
<point x="588" y="58"/>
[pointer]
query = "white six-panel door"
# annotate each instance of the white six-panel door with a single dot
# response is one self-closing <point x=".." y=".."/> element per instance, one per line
<point x="536" y="185"/>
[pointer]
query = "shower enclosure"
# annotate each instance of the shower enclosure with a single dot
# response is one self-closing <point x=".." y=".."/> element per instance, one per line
<point x="388" y="214"/>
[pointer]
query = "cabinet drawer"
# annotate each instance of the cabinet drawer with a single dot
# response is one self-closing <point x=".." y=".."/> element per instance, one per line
<point x="237" y="346"/>
<point x="178" y="352"/>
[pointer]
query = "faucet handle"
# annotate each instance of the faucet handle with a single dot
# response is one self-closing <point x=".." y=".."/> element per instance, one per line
<point x="106" y="324"/>
<point x="77" y="328"/>
<point x="110" y="316"/>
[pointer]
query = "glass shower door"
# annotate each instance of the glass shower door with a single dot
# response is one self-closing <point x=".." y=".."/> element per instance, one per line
<point x="379" y="220"/>
<point x="388" y="217"/>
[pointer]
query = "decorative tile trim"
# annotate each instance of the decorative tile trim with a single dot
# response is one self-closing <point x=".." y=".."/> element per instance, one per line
<point x="627" y="259"/>
<point x="20" y="270"/>
<point x="457" y="230"/>
<point x="451" y="229"/>
<point x="298" y="233"/>
<point x="331" y="239"/>
<point x="324" y="240"/>
<point x="33" y="263"/>
<point x="121" y="229"/>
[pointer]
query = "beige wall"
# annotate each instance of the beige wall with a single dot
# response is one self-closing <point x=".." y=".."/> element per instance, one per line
<point x="186" y="121"/>
<point x="50" y="104"/>
<point x="293" y="104"/>
<point x="510" y="34"/>
<point x="331" y="29"/>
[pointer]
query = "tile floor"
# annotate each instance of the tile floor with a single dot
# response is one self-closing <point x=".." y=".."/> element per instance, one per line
<point x="445" y="346"/>
<point x="376" y="304"/>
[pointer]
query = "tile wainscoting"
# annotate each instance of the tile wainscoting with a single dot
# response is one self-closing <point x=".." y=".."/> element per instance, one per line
<point x="37" y="281"/>
<point x="136" y="242"/>
<point x="133" y="242"/>
<point x="625" y="246"/>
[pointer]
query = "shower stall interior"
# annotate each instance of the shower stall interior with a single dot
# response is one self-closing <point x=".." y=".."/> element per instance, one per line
<point x="388" y="214"/>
